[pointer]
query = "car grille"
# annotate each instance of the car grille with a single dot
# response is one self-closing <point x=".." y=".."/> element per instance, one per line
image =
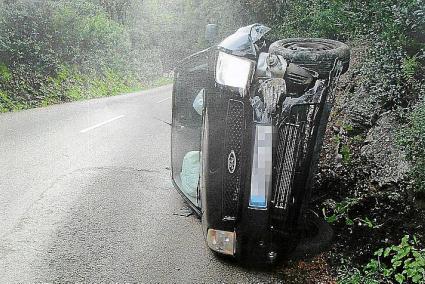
<point x="235" y="127"/>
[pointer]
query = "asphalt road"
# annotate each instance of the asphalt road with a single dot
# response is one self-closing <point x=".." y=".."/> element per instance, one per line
<point x="85" y="196"/>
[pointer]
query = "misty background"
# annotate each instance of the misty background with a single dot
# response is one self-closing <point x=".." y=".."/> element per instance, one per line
<point x="53" y="51"/>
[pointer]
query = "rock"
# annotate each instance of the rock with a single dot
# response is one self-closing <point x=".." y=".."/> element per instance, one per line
<point x="360" y="111"/>
<point x="381" y="149"/>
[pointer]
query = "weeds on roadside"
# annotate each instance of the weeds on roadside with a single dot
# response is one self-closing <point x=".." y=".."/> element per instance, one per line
<point x="340" y="212"/>
<point x="402" y="263"/>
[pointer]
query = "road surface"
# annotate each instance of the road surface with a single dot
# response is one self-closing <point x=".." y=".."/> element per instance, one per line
<point x="85" y="196"/>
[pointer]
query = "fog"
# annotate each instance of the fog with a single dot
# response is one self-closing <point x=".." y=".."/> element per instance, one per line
<point x="51" y="50"/>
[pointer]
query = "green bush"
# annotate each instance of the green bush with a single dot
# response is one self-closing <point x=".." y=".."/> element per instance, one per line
<point x="392" y="21"/>
<point x="410" y="67"/>
<point x="5" y="74"/>
<point x="55" y="51"/>
<point x="383" y="77"/>
<point x="402" y="263"/>
<point x="126" y="42"/>
<point x="6" y="103"/>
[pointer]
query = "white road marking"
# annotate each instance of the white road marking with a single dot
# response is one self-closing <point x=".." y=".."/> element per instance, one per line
<point x="101" y="124"/>
<point x="161" y="101"/>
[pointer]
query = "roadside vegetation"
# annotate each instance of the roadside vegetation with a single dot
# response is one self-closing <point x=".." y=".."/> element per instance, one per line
<point x="54" y="51"/>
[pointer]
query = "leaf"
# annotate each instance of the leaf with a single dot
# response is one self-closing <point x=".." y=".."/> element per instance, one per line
<point x="387" y="251"/>
<point x="379" y="252"/>
<point x="399" y="278"/>
<point x="372" y="266"/>
<point x="405" y="240"/>
<point x="368" y="222"/>
<point x="397" y="263"/>
<point x="349" y="222"/>
<point x="331" y="219"/>
<point x="415" y="240"/>
<point x="387" y="272"/>
<point x="417" y="278"/>
<point x="408" y="261"/>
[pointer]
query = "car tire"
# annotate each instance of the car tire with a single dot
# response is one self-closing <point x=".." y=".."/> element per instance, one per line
<point x="315" y="54"/>
<point x="313" y="243"/>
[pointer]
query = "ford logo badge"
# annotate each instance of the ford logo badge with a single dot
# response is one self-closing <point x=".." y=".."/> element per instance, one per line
<point x="231" y="162"/>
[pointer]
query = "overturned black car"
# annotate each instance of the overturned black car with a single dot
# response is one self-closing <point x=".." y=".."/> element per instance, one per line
<point x="248" y="124"/>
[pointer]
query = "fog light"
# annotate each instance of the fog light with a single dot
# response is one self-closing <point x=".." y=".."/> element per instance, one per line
<point x="222" y="241"/>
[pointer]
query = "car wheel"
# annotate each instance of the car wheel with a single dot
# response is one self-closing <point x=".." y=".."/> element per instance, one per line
<point x="315" y="54"/>
<point x="315" y="236"/>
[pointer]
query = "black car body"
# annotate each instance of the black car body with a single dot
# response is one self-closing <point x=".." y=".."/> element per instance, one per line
<point x="254" y="122"/>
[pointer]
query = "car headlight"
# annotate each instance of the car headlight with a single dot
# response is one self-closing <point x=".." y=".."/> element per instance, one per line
<point x="233" y="71"/>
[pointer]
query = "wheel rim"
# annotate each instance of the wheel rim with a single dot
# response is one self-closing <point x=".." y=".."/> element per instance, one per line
<point x="309" y="46"/>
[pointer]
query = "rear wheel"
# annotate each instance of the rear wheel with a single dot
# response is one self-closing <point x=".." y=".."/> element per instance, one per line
<point x="315" y="54"/>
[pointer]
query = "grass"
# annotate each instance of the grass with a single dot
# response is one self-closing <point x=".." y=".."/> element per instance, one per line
<point x="7" y="104"/>
<point x="81" y="89"/>
<point x="159" y="82"/>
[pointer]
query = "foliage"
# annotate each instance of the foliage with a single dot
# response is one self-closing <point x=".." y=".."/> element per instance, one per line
<point x="41" y="41"/>
<point x="357" y="277"/>
<point x="402" y="263"/>
<point x="384" y="77"/>
<point x="341" y="213"/>
<point x="345" y="152"/>
<point x="410" y="67"/>
<point x="6" y="104"/>
<point x="124" y="42"/>
<point x="398" y="22"/>
<point x="5" y="73"/>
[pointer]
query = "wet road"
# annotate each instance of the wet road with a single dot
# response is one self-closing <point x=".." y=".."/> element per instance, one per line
<point x="85" y="196"/>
